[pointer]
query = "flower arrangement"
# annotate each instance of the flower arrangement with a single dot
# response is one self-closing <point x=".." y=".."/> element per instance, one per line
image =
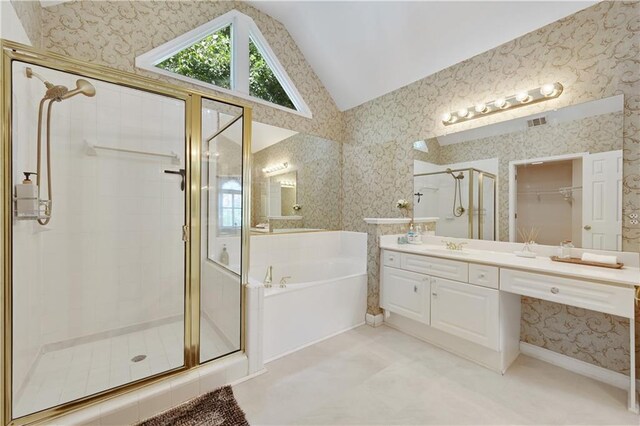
<point x="297" y="207"/>
<point x="402" y="205"/>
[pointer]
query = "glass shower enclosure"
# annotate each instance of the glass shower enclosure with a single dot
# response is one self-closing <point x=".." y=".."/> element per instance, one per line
<point x="463" y="200"/>
<point x="120" y="196"/>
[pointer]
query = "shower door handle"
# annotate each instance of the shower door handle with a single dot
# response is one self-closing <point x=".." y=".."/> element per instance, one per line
<point x="182" y="173"/>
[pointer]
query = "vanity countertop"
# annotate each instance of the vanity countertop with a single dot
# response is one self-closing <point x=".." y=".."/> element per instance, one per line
<point x="625" y="276"/>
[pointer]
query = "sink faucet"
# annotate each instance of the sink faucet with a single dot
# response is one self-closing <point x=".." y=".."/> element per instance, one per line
<point x="283" y="282"/>
<point x="454" y="246"/>
<point x="268" y="278"/>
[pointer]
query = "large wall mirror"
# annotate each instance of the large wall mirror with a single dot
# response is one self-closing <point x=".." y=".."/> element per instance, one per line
<point x="558" y="173"/>
<point x="296" y="181"/>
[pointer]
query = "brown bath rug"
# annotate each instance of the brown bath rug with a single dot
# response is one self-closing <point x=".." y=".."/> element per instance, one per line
<point x="217" y="408"/>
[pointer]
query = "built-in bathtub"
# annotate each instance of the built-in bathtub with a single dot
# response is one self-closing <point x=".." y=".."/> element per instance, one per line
<point x="325" y="294"/>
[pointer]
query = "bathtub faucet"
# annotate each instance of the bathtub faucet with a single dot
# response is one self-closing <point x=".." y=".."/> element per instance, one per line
<point x="283" y="282"/>
<point x="268" y="278"/>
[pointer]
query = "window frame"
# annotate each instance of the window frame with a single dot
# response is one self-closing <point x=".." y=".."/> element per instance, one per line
<point x="225" y="230"/>
<point x="242" y="28"/>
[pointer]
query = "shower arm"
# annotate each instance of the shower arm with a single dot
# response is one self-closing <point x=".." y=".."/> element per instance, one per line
<point x="31" y="73"/>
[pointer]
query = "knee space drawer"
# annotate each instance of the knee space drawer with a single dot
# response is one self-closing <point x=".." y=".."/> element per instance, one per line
<point x="435" y="266"/>
<point x="584" y="294"/>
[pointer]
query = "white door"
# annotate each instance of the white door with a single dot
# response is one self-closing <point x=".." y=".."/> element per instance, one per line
<point x="406" y="293"/>
<point x="467" y="311"/>
<point x="602" y="201"/>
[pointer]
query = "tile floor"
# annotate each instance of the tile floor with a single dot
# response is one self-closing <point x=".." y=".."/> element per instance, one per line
<point x="381" y="376"/>
<point x="70" y="373"/>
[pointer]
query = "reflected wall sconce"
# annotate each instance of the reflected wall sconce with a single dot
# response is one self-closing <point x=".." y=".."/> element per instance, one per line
<point x="520" y="99"/>
<point x="275" y="168"/>
<point x="287" y="184"/>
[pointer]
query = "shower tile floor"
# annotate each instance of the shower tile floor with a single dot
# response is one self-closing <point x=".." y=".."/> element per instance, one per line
<point x="70" y="373"/>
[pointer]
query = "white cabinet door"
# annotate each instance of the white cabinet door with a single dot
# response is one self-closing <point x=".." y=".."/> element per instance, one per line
<point x="467" y="311"/>
<point x="406" y="293"/>
<point x="602" y="201"/>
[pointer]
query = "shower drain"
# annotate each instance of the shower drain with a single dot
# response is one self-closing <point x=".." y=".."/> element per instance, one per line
<point x="138" y="358"/>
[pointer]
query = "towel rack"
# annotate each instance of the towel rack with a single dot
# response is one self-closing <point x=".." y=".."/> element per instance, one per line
<point x="93" y="151"/>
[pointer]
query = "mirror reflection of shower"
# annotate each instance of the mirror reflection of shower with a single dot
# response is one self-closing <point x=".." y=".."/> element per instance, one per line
<point x="458" y="209"/>
<point x="29" y="200"/>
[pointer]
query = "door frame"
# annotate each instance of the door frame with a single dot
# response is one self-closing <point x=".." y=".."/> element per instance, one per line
<point x="513" y="185"/>
<point x="12" y="51"/>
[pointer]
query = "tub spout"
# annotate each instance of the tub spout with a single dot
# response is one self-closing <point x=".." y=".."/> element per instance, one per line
<point x="268" y="278"/>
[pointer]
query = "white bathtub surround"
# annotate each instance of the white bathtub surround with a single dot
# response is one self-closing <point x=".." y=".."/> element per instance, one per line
<point x="398" y="220"/>
<point x="468" y="301"/>
<point x="325" y="291"/>
<point x="254" y="317"/>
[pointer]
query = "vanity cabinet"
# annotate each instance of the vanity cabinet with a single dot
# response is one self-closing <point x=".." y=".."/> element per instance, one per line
<point x="467" y="311"/>
<point x="458" y="298"/>
<point x="407" y="294"/>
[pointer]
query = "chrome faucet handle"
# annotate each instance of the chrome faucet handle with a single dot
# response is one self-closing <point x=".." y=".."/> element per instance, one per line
<point x="283" y="281"/>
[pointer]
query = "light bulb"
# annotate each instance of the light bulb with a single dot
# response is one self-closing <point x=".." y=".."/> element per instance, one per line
<point x="500" y="103"/>
<point x="446" y="117"/>
<point x="522" y="97"/>
<point x="548" y="90"/>
<point x="463" y="112"/>
<point x="481" y="108"/>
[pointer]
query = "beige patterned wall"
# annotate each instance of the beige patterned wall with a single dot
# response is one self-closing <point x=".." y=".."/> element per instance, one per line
<point x="113" y="33"/>
<point x="593" y="53"/>
<point x="30" y="14"/>
<point x="592" y="134"/>
<point x="319" y="179"/>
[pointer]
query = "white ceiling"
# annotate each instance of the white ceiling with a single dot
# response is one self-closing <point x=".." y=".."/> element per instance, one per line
<point x="361" y="50"/>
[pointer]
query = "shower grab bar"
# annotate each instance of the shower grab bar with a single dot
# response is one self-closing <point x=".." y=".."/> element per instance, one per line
<point x="92" y="150"/>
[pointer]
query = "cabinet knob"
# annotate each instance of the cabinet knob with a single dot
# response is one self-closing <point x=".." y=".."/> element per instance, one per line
<point x="415" y="288"/>
<point x="434" y="294"/>
<point x="391" y="258"/>
<point x="555" y="290"/>
<point x="587" y="227"/>
<point x="481" y="275"/>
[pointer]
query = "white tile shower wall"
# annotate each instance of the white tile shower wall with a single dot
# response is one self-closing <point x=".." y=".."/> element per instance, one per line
<point x="112" y="255"/>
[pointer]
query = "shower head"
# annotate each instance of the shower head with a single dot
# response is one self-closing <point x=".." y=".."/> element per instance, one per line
<point x="459" y="177"/>
<point x="83" y="87"/>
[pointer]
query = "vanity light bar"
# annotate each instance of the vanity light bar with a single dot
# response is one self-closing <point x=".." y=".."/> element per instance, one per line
<point x="287" y="184"/>
<point x="543" y="93"/>
<point x="275" y="168"/>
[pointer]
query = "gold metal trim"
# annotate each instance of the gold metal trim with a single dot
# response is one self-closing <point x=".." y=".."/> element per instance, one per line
<point x="470" y="232"/>
<point x="12" y="51"/>
<point x="480" y="206"/>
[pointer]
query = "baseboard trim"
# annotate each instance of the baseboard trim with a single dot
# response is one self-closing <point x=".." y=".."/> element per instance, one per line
<point x="604" y="375"/>
<point x="313" y="343"/>
<point x="374" y="320"/>
<point x="249" y="377"/>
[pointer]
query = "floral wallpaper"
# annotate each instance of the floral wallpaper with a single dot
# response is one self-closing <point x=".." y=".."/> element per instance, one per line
<point x="592" y="134"/>
<point x="113" y="33"/>
<point x="30" y="14"/>
<point x="594" y="54"/>
<point x="318" y="163"/>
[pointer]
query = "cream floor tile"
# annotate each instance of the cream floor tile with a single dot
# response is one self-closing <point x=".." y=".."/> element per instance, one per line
<point x="381" y="376"/>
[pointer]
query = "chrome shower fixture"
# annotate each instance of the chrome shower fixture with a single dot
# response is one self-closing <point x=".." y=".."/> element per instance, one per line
<point x="54" y="93"/>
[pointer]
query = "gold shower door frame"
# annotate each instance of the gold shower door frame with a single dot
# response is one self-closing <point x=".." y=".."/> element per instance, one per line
<point x="193" y="136"/>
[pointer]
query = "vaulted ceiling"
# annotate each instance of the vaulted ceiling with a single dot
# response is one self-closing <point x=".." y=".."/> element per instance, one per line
<point x="364" y="49"/>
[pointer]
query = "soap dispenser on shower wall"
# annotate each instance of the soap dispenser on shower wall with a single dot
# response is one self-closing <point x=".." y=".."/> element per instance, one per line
<point x="27" y="198"/>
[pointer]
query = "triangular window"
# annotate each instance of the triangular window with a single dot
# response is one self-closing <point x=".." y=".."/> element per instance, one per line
<point x="263" y="83"/>
<point x="228" y="54"/>
<point x="208" y="60"/>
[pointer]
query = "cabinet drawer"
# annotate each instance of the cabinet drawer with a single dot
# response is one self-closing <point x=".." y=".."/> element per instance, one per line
<point x="486" y="276"/>
<point x="467" y="311"/>
<point x="436" y="267"/>
<point x="406" y="293"/>
<point x="610" y="299"/>
<point x="391" y="258"/>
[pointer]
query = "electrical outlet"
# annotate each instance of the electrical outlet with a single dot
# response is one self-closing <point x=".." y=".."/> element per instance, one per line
<point x="633" y="216"/>
<point x="634" y="221"/>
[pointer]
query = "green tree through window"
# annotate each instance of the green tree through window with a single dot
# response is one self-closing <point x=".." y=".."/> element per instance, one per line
<point x="263" y="83"/>
<point x="208" y="60"/>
